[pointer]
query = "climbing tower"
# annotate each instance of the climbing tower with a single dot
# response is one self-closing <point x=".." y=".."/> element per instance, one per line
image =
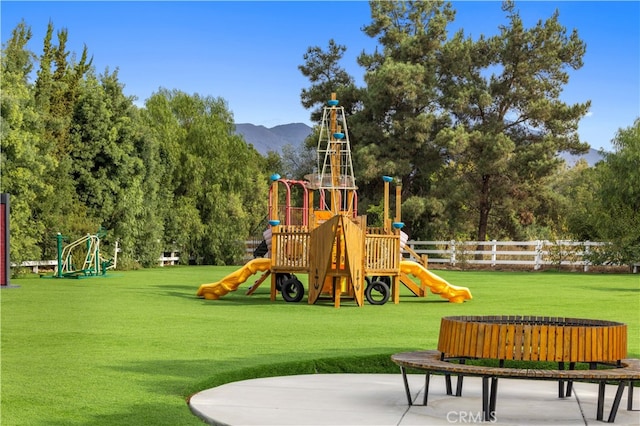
<point x="334" y="165"/>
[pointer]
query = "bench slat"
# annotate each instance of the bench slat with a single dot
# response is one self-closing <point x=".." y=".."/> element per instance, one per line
<point x="544" y="339"/>
<point x="557" y="353"/>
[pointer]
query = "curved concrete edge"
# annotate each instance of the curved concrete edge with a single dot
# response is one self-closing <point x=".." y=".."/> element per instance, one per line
<point x="379" y="399"/>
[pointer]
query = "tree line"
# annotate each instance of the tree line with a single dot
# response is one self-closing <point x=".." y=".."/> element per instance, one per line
<point x="77" y="155"/>
<point x="471" y="128"/>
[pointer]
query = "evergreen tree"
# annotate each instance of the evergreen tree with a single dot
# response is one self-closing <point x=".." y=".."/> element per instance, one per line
<point x="394" y="133"/>
<point x="56" y="93"/>
<point x="322" y="68"/>
<point x="509" y="123"/>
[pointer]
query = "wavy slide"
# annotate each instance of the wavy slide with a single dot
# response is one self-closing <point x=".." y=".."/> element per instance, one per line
<point x="231" y="282"/>
<point x="437" y="285"/>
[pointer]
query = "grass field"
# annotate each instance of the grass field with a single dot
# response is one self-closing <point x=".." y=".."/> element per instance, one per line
<point x="130" y="348"/>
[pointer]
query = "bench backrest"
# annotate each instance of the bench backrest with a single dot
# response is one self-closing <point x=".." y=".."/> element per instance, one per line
<point x="533" y="338"/>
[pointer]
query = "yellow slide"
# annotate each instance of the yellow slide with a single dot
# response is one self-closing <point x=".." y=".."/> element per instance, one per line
<point x="437" y="285"/>
<point x="232" y="281"/>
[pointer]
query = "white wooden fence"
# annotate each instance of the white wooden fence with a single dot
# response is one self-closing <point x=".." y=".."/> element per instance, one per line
<point x="536" y="253"/>
<point x="167" y="259"/>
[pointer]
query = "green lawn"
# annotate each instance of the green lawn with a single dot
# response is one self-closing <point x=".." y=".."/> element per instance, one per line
<point x="130" y="348"/>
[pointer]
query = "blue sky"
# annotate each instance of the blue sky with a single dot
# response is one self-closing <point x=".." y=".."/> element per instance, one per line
<point x="248" y="52"/>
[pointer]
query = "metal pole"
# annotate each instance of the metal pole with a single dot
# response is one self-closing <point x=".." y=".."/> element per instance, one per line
<point x="59" y="240"/>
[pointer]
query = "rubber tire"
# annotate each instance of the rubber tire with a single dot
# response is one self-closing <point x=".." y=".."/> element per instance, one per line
<point x="384" y="278"/>
<point x="292" y="290"/>
<point x="379" y="287"/>
<point x="280" y="279"/>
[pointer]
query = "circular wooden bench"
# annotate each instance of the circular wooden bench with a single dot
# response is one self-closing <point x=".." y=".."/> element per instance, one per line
<point x="528" y="338"/>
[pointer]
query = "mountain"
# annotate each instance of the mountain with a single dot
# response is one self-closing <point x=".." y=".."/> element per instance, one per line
<point x="591" y="157"/>
<point x="266" y="139"/>
<point x="273" y="139"/>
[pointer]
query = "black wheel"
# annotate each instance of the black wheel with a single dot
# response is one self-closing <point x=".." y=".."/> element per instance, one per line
<point x="385" y="279"/>
<point x="377" y="293"/>
<point x="292" y="290"/>
<point x="281" y="278"/>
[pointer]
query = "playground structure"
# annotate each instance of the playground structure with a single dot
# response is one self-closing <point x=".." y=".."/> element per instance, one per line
<point x="326" y="239"/>
<point x="82" y="258"/>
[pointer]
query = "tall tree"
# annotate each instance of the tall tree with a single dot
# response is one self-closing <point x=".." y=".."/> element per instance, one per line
<point x="509" y="122"/>
<point x="322" y="68"/>
<point x="23" y="166"/>
<point x="395" y="131"/>
<point x="57" y="89"/>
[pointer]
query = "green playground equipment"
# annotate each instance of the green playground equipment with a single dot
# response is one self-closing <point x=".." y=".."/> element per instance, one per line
<point x="81" y="258"/>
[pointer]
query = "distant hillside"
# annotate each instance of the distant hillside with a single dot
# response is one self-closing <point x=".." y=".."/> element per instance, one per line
<point x="591" y="157"/>
<point x="273" y="139"/>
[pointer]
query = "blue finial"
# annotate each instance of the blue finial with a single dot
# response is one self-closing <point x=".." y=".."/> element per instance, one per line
<point x="387" y="178"/>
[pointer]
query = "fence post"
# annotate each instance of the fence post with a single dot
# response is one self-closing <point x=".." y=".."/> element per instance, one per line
<point x="585" y="256"/>
<point x="493" y="253"/>
<point x="115" y="255"/>
<point x="453" y="252"/>
<point x="538" y="255"/>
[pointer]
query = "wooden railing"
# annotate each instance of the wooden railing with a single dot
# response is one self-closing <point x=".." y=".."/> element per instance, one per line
<point x="382" y="253"/>
<point x="291" y="247"/>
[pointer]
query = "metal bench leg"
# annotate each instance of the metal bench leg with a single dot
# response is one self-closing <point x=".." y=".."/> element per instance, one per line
<point x="493" y="398"/>
<point x="600" y="408"/>
<point x="561" y="382"/>
<point x="426" y="388"/>
<point x="572" y="366"/>
<point x="406" y="385"/>
<point x="447" y="382"/>
<point x="459" y="382"/>
<point x="630" y="396"/>
<point x="459" y="386"/>
<point x="562" y="393"/>
<point x="616" y="402"/>
<point x="485" y="398"/>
